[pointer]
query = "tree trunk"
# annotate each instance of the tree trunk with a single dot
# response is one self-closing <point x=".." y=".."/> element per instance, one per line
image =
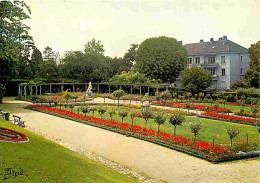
<point x="158" y="128"/>
<point x="145" y="123"/>
<point x="122" y="119"/>
<point x="175" y="130"/>
<point x="231" y="142"/>
<point x="132" y="121"/>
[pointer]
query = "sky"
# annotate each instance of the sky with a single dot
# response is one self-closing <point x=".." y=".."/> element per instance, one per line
<point x="67" y="25"/>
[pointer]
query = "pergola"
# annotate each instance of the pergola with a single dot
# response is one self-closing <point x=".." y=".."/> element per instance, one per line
<point x="25" y="90"/>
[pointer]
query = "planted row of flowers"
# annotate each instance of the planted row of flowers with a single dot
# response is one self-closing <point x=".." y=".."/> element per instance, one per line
<point x="230" y="118"/>
<point x="12" y="135"/>
<point x="199" y="148"/>
<point x="238" y="103"/>
<point x="192" y="106"/>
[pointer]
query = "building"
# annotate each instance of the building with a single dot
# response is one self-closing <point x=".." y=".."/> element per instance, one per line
<point x="225" y="60"/>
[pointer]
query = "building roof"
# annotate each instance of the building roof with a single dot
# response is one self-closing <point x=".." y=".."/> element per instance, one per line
<point x="214" y="47"/>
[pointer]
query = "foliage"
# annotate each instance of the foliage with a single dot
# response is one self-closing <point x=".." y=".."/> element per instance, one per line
<point x="196" y="79"/>
<point x="176" y="119"/>
<point x="232" y="133"/>
<point x="36" y="61"/>
<point x="248" y="92"/>
<point x="67" y="95"/>
<point x="101" y="111"/>
<point x="111" y="112"/>
<point x="161" y="58"/>
<point x="123" y="114"/>
<point x="195" y="128"/>
<point x="253" y="73"/>
<point x="85" y="109"/>
<point x="130" y="55"/>
<point x="159" y="120"/>
<point x="93" y="109"/>
<point x="238" y="84"/>
<point x="132" y="77"/>
<point x="16" y="43"/>
<point x="94" y="47"/>
<point x="146" y="114"/>
<point x="258" y="126"/>
<point x="132" y="115"/>
<point x="166" y="95"/>
<point x="118" y="94"/>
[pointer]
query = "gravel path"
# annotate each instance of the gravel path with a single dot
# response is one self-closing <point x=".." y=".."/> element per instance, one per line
<point x="143" y="157"/>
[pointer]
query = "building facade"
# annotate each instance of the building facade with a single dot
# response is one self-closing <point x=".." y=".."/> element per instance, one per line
<point x="225" y="60"/>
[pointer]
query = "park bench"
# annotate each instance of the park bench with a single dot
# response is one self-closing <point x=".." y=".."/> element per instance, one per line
<point x="18" y="121"/>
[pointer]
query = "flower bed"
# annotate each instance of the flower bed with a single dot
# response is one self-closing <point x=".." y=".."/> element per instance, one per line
<point x="192" y="106"/>
<point x="237" y="103"/>
<point x="230" y="118"/>
<point x="11" y="135"/>
<point x="202" y="149"/>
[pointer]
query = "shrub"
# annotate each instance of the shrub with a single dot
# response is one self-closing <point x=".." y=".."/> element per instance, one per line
<point x="85" y="109"/>
<point x="123" y="114"/>
<point x="146" y="114"/>
<point x="159" y="119"/>
<point x="166" y="95"/>
<point x="176" y="119"/>
<point x="195" y="129"/>
<point x="101" y="111"/>
<point x="238" y="84"/>
<point x="132" y="115"/>
<point x="232" y="133"/>
<point x="118" y="94"/>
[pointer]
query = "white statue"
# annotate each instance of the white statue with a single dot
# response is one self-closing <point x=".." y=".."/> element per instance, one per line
<point x="89" y="92"/>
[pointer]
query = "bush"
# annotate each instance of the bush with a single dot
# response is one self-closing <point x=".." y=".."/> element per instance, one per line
<point x="238" y="84"/>
<point x="248" y="92"/>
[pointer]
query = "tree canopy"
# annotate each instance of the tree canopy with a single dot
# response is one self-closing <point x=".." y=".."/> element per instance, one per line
<point x="196" y="79"/>
<point x="161" y="58"/>
<point x="94" y="47"/>
<point x="253" y="73"/>
<point x="15" y="41"/>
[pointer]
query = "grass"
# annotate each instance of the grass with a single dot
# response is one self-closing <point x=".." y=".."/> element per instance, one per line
<point x="210" y="127"/>
<point x="44" y="161"/>
<point x="234" y="108"/>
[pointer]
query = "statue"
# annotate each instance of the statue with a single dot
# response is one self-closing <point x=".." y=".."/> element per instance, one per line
<point x="89" y="92"/>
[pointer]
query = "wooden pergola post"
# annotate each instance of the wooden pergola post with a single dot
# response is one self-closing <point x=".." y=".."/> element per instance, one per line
<point x="36" y="90"/>
<point x="86" y="87"/>
<point x="148" y="90"/>
<point x="109" y="89"/>
<point x="98" y="87"/>
<point x="131" y="89"/>
<point x="25" y="92"/>
<point x="50" y="88"/>
<point x="61" y="87"/>
<point x="120" y="87"/>
<point x="19" y="90"/>
<point x="140" y="90"/>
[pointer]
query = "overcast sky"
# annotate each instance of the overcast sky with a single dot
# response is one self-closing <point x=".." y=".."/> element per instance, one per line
<point x="68" y="25"/>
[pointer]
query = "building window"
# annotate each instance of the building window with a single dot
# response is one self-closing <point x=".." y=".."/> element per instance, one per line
<point x="211" y="60"/>
<point x="223" y="72"/>
<point x="241" y="58"/>
<point x="190" y="61"/>
<point x="197" y="60"/>
<point x="212" y="72"/>
<point x="223" y="59"/>
<point x="242" y="71"/>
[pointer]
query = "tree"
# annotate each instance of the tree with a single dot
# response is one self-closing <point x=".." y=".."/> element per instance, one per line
<point x="49" y="54"/>
<point x="15" y="41"/>
<point x="85" y="109"/>
<point x="161" y="58"/>
<point x="195" y="129"/>
<point x="253" y="73"/>
<point x="111" y="112"/>
<point x="94" y="47"/>
<point x="130" y="55"/>
<point x="195" y="79"/>
<point x="101" y="111"/>
<point x="232" y="133"/>
<point x="93" y="109"/>
<point x="118" y="94"/>
<point x="238" y="84"/>
<point x="147" y="114"/>
<point x="2" y="91"/>
<point x="123" y="114"/>
<point x="132" y="114"/>
<point x="159" y="120"/>
<point x="176" y="119"/>
<point x="36" y="61"/>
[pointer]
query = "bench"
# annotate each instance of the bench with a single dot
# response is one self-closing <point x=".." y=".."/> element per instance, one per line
<point x="18" y="121"/>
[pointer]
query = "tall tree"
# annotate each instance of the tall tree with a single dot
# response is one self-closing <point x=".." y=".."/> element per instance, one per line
<point x="94" y="47"/>
<point x="253" y="73"/>
<point x="49" y="54"/>
<point x="130" y="55"/>
<point x="161" y="58"/>
<point x="15" y="42"/>
<point x="36" y="61"/>
<point x="196" y="79"/>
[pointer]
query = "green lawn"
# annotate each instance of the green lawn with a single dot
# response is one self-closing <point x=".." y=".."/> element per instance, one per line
<point x="210" y="127"/>
<point x="228" y="106"/>
<point x="44" y="161"/>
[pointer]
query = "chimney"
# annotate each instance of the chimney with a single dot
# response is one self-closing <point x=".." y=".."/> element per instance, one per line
<point x="201" y="41"/>
<point x="211" y="39"/>
<point x="225" y="38"/>
<point x="180" y="42"/>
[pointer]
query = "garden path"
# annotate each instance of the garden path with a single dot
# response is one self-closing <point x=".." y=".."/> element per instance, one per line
<point x="141" y="156"/>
